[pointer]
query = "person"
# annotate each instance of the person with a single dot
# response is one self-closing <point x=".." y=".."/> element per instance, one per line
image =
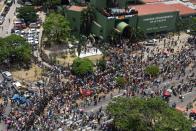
<point x="174" y="105"/>
<point x="111" y="95"/>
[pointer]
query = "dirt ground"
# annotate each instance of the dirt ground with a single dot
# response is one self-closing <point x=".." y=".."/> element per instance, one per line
<point x="1" y="6"/>
<point x="33" y="74"/>
<point x="194" y="105"/>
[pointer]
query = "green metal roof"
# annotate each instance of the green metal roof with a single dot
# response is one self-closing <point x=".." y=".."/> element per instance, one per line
<point x="121" y="26"/>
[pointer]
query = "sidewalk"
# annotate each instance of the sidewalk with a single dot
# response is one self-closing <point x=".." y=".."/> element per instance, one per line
<point x="2" y="6"/>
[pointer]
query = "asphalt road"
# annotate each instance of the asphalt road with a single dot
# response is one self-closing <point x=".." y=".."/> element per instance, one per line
<point x="1" y="78"/>
<point x="7" y="25"/>
<point x="188" y="97"/>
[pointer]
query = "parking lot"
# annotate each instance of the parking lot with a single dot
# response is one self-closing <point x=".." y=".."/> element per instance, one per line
<point x="30" y="34"/>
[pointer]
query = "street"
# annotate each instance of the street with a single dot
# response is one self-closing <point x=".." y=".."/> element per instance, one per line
<point x="9" y="19"/>
<point x="80" y="102"/>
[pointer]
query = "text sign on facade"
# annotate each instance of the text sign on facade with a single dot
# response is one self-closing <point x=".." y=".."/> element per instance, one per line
<point x="158" y="19"/>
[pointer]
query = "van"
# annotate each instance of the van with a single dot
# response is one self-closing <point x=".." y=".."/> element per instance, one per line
<point x="7" y="75"/>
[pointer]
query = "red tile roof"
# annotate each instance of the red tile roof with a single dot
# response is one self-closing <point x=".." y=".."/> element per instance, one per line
<point x="184" y="10"/>
<point x="76" y="8"/>
<point x="193" y="1"/>
<point x="151" y="1"/>
<point x="155" y="8"/>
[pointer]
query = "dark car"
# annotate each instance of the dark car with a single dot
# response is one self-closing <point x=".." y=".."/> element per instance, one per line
<point x="193" y="128"/>
<point x="9" y="2"/>
<point x="5" y="10"/>
<point x="191" y="40"/>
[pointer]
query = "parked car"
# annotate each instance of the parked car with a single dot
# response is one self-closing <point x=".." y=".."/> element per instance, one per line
<point x="28" y="3"/>
<point x="191" y="40"/>
<point x="7" y="75"/>
<point x="193" y="128"/>
<point x="5" y="10"/>
<point x="19" y="24"/>
<point x="34" y="25"/>
<point x="9" y="2"/>
<point x="2" y="18"/>
<point x="151" y="42"/>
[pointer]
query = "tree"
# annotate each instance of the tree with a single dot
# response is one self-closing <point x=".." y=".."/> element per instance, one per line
<point x="4" y="52"/>
<point x="15" y="49"/>
<point x="14" y="40"/>
<point x="87" y="17"/>
<point x="82" y="67"/>
<point x="137" y="34"/>
<point x="27" y="13"/>
<point x="179" y="25"/>
<point x="56" y="28"/>
<point x="38" y="2"/>
<point x="193" y="27"/>
<point x="120" y="81"/>
<point x="153" y="114"/>
<point x="48" y="3"/>
<point x="152" y="70"/>
<point x="101" y="64"/>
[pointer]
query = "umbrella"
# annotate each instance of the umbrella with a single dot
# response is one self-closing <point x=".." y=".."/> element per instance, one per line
<point x="22" y="100"/>
<point x="166" y="93"/>
<point x="169" y="90"/>
<point x="86" y="92"/>
<point x="193" y="111"/>
<point x="15" y="97"/>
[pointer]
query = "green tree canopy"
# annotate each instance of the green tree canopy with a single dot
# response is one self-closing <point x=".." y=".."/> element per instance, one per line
<point x="101" y="64"/>
<point x="27" y="13"/>
<point x="193" y="27"/>
<point x="81" y="67"/>
<point x="152" y="70"/>
<point x="3" y="50"/>
<point x="121" y="81"/>
<point x="16" y="49"/>
<point x="56" y="28"/>
<point x="153" y="114"/>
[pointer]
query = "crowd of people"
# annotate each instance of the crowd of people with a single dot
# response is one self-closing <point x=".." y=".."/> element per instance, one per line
<point x="60" y="105"/>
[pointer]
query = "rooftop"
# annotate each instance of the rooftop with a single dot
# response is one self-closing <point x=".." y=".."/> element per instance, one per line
<point x="184" y="10"/>
<point x="193" y="1"/>
<point x="76" y="8"/>
<point x="151" y="1"/>
<point x="155" y="8"/>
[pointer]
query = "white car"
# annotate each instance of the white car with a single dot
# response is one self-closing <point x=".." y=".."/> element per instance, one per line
<point x="30" y="38"/>
<point x="2" y="18"/>
<point x="38" y="30"/>
<point x="7" y="75"/>
<point x="152" y="41"/>
<point x="36" y="42"/>
<point x="33" y="30"/>
<point x="22" y="32"/>
<point x="30" y="41"/>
